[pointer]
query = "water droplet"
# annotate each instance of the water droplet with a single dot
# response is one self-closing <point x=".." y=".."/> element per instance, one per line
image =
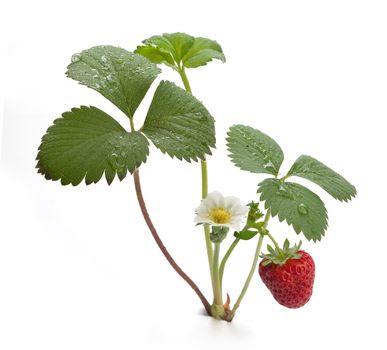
<point x="76" y="57"/>
<point x="285" y="192"/>
<point x="139" y="70"/>
<point x="302" y="209"/>
<point x="116" y="161"/>
<point x="112" y="159"/>
<point x="269" y="165"/>
<point x="123" y="154"/>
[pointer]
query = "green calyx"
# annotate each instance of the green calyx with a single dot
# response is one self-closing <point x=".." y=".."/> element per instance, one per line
<point x="280" y="256"/>
<point x="218" y="233"/>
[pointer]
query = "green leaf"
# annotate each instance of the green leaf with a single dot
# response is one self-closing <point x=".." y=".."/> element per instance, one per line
<point x="181" y="44"/>
<point x="178" y="124"/>
<point x="317" y="172"/>
<point x="167" y="48"/>
<point x="121" y="76"/>
<point x="87" y="142"/>
<point x="296" y="204"/>
<point x="201" y="52"/>
<point x="254" y="151"/>
<point x="156" y="55"/>
<point x="246" y="235"/>
<point x="178" y="49"/>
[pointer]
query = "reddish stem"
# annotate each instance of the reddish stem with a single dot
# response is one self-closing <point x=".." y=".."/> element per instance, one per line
<point x="164" y="250"/>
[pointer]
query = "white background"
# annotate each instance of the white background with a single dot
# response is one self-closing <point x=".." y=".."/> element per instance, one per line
<point x="78" y="268"/>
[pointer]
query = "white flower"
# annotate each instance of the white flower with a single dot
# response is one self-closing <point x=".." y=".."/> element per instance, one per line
<point x="217" y="210"/>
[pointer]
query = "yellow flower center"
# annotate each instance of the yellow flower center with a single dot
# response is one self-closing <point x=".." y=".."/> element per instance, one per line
<point x="220" y="216"/>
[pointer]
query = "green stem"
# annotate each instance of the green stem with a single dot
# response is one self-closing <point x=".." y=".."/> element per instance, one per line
<point x="184" y="79"/>
<point x="207" y="237"/>
<point x="225" y="258"/>
<point x="249" y="277"/>
<point x="252" y="270"/>
<point x="204" y="179"/>
<point x="227" y="255"/>
<point x="204" y="175"/>
<point x="131" y="121"/>
<point x="218" y="300"/>
<point x="131" y="124"/>
<point x="210" y="253"/>
<point x="275" y="244"/>
<point x="282" y="179"/>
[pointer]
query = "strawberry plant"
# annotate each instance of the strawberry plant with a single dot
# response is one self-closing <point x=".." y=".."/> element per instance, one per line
<point x="86" y="143"/>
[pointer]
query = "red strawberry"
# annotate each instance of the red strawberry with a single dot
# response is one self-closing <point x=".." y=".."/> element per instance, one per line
<point x="289" y="275"/>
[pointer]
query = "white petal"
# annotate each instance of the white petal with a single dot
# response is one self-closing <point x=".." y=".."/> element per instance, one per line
<point x="236" y="219"/>
<point x="198" y="219"/>
<point x="231" y="202"/>
<point x="239" y="211"/>
<point x="202" y="217"/>
<point x="202" y="209"/>
<point x="207" y="221"/>
<point x="214" y="200"/>
<point x="235" y="225"/>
